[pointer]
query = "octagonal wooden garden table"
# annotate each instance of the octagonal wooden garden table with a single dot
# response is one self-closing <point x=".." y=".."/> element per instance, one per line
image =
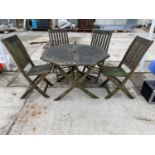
<point x="74" y="56"/>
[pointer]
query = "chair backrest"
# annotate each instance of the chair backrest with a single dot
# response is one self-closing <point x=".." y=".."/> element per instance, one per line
<point x="18" y="51"/>
<point x="58" y="37"/>
<point x="135" y="52"/>
<point x="101" y="39"/>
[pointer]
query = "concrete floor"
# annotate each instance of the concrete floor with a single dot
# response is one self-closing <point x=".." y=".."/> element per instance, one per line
<point x="74" y="114"/>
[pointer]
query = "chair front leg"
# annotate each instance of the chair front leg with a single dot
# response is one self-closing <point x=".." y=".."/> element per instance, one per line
<point x="29" y="87"/>
<point x="125" y="90"/>
<point x="117" y="83"/>
<point x="34" y="86"/>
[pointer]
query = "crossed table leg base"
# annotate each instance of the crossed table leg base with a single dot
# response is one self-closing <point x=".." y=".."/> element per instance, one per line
<point x="71" y="72"/>
<point x="76" y="83"/>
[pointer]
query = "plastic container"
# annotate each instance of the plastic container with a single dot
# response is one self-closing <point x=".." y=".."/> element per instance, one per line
<point x="1" y="67"/>
<point x="152" y="67"/>
<point x="4" y="58"/>
<point x="34" y="24"/>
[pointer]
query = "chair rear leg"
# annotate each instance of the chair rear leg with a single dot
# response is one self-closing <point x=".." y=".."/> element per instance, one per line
<point x="98" y="75"/>
<point x="46" y="86"/>
<point x="112" y="93"/>
<point x="107" y="88"/>
<point x="47" y="81"/>
<point x="84" y="68"/>
<point x="104" y="83"/>
<point x="63" y="77"/>
<point x="125" y="90"/>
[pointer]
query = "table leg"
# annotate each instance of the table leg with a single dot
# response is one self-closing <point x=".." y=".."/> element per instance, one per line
<point x="76" y="83"/>
<point x="63" y="77"/>
<point x="88" y="92"/>
<point x="71" y="71"/>
<point x="63" y="94"/>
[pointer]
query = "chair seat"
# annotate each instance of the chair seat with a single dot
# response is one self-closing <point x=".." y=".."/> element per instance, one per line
<point x="113" y="71"/>
<point x="40" y="69"/>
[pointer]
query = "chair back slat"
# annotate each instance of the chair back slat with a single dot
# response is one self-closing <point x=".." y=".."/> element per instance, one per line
<point x="17" y="50"/>
<point x="58" y="37"/>
<point x="135" y="52"/>
<point x="101" y="39"/>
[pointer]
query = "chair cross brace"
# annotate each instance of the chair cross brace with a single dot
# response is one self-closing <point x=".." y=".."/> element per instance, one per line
<point x="33" y="85"/>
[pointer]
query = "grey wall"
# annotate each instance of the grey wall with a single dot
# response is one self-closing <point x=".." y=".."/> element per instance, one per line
<point x="5" y="21"/>
<point x="73" y="21"/>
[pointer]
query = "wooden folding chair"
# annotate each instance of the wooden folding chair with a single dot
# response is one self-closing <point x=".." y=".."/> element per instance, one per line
<point x="101" y="39"/>
<point x="22" y="59"/>
<point x="58" y="37"/>
<point x="131" y="59"/>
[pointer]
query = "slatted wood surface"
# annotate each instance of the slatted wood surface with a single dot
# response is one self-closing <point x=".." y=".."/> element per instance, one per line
<point x="74" y="55"/>
<point x="18" y="51"/>
<point x="136" y="51"/>
<point x="101" y="39"/>
<point x="58" y="37"/>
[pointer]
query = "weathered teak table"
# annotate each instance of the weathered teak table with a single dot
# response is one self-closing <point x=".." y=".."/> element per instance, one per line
<point x="74" y="56"/>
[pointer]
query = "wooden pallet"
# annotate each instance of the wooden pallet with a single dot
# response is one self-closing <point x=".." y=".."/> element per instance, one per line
<point x="79" y="30"/>
<point x="40" y="29"/>
<point x="91" y="30"/>
<point x="116" y="31"/>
